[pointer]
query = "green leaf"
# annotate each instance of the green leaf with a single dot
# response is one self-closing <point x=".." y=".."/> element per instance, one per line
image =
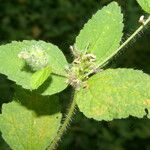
<point x="115" y="94"/>
<point x="39" y="77"/>
<point x="16" y="69"/>
<point x="30" y="121"/>
<point x="145" y="4"/>
<point x="102" y="34"/>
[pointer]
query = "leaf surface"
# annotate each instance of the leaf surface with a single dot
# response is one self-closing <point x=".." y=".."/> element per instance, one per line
<point x="16" y="69"/>
<point x="102" y="34"/>
<point x="115" y="94"/>
<point x="39" y="77"/>
<point x="145" y="4"/>
<point x="30" y="121"/>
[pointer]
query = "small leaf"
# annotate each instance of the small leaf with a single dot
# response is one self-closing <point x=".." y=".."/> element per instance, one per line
<point x="30" y="121"/>
<point x="17" y="70"/>
<point x="115" y="94"/>
<point x="39" y="77"/>
<point x="145" y="4"/>
<point x="102" y="34"/>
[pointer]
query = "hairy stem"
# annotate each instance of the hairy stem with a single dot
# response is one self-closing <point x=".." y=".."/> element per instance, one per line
<point x="127" y="41"/>
<point x="66" y="122"/>
<point x="134" y="34"/>
<point x="70" y="113"/>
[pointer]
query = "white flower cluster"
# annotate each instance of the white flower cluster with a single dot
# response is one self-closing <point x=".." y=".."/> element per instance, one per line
<point x="82" y="66"/>
<point x="35" y="57"/>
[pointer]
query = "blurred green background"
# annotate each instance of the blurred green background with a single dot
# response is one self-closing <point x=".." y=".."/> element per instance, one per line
<point x="59" y="22"/>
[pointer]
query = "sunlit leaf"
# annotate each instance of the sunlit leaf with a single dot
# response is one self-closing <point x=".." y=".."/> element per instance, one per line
<point x="30" y="121"/>
<point x="115" y="94"/>
<point x="145" y="4"/>
<point x="102" y="34"/>
<point x="39" y="77"/>
<point x="16" y="69"/>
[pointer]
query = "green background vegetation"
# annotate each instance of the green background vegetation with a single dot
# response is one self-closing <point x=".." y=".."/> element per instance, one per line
<point x="59" y="22"/>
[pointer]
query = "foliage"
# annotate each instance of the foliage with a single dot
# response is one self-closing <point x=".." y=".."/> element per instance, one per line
<point x="20" y="72"/>
<point x="145" y="4"/>
<point x="106" y="27"/>
<point x="28" y="119"/>
<point x="81" y="74"/>
<point x="115" y="94"/>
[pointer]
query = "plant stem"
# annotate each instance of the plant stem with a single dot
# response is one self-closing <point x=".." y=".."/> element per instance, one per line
<point x="70" y="113"/>
<point x="134" y="34"/>
<point x="66" y="122"/>
<point x="126" y="42"/>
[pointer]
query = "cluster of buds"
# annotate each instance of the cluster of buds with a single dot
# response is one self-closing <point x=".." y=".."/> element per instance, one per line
<point x="73" y="74"/>
<point x="78" y="72"/>
<point x="35" y="57"/>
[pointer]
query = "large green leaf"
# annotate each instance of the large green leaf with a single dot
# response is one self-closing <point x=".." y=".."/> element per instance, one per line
<point x="114" y="94"/>
<point x="145" y="4"/>
<point x="16" y="70"/>
<point x="30" y="121"/>
<point x="102" y="34"/>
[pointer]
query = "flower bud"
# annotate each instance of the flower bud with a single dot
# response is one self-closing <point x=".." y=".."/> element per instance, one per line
<point x="35" y="57"/>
